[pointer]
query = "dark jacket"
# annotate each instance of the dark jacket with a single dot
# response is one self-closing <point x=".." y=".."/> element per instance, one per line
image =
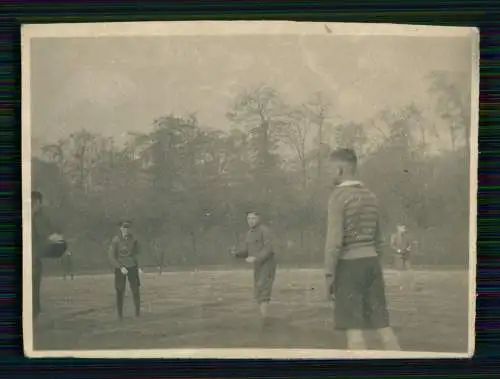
<point x="124" y="252"/>
<point x="258" y="244"/>
<point x="41" y="228"/>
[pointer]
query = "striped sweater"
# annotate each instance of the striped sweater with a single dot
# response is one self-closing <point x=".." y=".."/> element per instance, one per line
<point x="353" y="225"/>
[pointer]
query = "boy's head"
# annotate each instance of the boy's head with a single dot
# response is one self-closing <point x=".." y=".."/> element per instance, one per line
<point x="125" y="227"/>
<point x="344" y="164"/>
<point x="401" y="228"/>
<point x="253" y="219"/>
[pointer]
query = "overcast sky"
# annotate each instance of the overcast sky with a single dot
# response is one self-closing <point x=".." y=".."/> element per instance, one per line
<point x="115" y="85"/>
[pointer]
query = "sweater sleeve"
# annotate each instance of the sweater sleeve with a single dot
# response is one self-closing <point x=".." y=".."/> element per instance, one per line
<point x="242" y="251"/>
<point x="334" y="235"/>
<point x="393" y="242"/>
<point x="47" y="225"/>
<point x="267" y="245"/>
<point x="112" y="252"/>
<point x="379" y="240"/>
<point x="137" y="251"/>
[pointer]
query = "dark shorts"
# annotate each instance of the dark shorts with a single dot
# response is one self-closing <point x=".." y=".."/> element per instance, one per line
<point x="132" y="276"/>
<point x="264" y="275"/>
<point x="360" y="301"/>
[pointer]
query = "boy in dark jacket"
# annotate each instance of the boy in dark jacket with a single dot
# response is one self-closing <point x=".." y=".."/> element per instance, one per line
<point x="401" y="244"/>
<point x="258" y="250"/>
<point x="43" y="233"/>
<point x="123" y="254"/>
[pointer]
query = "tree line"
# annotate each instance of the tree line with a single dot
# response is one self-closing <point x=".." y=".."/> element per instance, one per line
<point x="187" y="186"/>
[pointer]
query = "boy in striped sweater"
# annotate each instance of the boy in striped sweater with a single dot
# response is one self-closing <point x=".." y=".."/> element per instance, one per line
<point x="353" y="271"/>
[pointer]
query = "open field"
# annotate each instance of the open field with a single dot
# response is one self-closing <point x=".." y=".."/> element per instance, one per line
<point x="429" y="310"/>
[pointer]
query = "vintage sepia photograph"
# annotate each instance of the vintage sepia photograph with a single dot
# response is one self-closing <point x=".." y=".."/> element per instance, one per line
<point x="249" y="190"/>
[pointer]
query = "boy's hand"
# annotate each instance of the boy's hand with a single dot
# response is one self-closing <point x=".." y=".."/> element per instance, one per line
<point x="330" y="289"/>
<point x="140" y="271"/>
<point x="124" y="270"/>
<point x="250" y="260"/>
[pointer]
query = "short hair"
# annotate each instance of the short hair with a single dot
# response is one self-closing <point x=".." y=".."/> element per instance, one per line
<point x="125" y="223"/>
<point x="37" y="196"/>
<point x="256" y="213"/>
<point x="344" y="155"/>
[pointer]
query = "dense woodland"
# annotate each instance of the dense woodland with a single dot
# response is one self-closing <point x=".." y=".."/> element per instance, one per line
<point x="187" y="186"/>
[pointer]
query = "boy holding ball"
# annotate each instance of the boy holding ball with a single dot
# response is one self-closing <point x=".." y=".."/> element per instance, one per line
<point x="258" y="250"/>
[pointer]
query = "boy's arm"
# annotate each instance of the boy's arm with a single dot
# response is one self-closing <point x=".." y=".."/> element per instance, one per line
<point x="47" y="226"/>
<point x="267" y="249"/>
<point x="242" y="251"/>
<point x="409" y="243"/>
<point x="112" y="254"/>
<point x="393" y="242"/>
<point x="52" y="225"/>
<point x="137" y="252"/>
<point x="46" y="229"/>
<point x="334" y="237"/>
<point x="379" y="240"/>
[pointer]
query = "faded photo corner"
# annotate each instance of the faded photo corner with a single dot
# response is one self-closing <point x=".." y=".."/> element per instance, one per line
<point x="249" y="190"/>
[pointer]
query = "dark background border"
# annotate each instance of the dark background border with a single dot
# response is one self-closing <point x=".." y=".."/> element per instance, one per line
<point x="481" y="14"/>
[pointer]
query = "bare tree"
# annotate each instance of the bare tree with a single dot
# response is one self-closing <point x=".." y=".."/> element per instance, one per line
<point x="81" y="145"/>
<point x="350" y="135"/>
<point x="317" y="110"/>
<point x="259" y="111"/>
<point x="295" y="133"/>
<point x="452" y="92"/>
<point x="55" y="153"/>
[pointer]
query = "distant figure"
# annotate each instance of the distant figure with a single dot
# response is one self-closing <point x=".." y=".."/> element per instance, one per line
<point x="123" y="254"/>
<point x="67" y="265"/>
<point x="258" y="250"/>
<point x="401" y="244"/>
<point x="353" y="271"/>
<point x="43" y="234"/>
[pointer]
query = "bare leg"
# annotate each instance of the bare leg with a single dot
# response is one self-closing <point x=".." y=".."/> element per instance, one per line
<point x="408" y="265"/>
<point x="264" y="309"/>
<point x="399" y="263"/>
<point x="389" y="339"/>
<point x="355" y="339"/>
